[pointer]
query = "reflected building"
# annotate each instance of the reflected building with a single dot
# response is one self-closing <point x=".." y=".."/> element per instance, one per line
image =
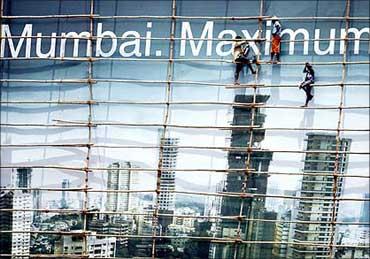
<point x="143" y="247"/>
<point x="37" y="201"/>
<point x="6" y="222"/>
<point x="282" y="236"/>
<point x="237" y="182"/>
<point x="365" y="210"/>
<point x="65" y="194"/>
<point x="166" y="196"/>
<point x="103" y="224"/>
<point x="22" y="214"/>
<point x="100" y="247"/>
<point x="119" y="179"/>
<point x="6" y="159"/>
<point x="263" y="231"/>
<point x="321" y="186"/>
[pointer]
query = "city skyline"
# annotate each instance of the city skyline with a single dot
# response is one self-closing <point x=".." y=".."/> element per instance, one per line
<point x="22" y="179"/>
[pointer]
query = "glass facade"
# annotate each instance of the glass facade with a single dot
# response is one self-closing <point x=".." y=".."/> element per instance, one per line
<point x="123" y="134"/>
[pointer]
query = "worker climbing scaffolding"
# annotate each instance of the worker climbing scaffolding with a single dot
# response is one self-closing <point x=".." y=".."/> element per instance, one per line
<point x="306" y="85"/>
<point x="276" y="38"/>
<point x="241" y="55"/>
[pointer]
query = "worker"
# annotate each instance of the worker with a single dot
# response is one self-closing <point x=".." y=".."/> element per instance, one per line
<point x="241" y="53"/>
<point x="306" y="85"/>
<point x="275" y="46"/>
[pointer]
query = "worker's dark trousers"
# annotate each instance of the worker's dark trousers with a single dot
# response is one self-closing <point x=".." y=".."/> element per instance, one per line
<point x="240" y="63"/>
<point x="307" y="87"/>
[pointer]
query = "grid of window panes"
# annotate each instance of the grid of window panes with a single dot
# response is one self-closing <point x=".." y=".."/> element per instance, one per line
<point x="123" y="134"/>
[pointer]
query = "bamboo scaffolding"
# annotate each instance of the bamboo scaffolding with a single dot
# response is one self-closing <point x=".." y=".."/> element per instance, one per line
<point x="338" y="145"/>
<point x="92" y="82"/>
<point x="155" y="219"/>
<point x="247" y="174"/>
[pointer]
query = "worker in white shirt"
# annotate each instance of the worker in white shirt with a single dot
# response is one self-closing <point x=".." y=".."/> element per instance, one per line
<point x="240" y="54"/>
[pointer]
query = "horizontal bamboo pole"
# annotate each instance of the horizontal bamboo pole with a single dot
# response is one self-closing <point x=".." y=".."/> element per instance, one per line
<point x="261" y="62"/>
<point x="203" y="170"/>
<point x="222" y="148"/>
<point x="68" y="125"/>
<point x="47" y="166"/>
<point x="206" y="238"/>
<point x="208" y="127"/>
<point x="232" y="18"/>
<point x="236" y="217"/>
<point x="241" y="195"/>
<point x="111" y="80"/>
<point x="188" y="170"/>
<point x="202" y="217"/>
<point x="233" y="104"/>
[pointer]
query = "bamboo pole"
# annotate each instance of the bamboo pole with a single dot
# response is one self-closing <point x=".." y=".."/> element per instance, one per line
<point x="184" y="103"/>
<point x="183" y="170"/>
<point x="232" y="18"/>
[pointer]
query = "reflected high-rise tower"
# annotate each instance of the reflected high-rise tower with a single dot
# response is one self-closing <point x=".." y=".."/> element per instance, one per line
<point x="23" y="179"/>
<point x="166" y="197"/>
<point x="119" y="179"/>
<point x="320" y="187"/>
<point x="22" y="214"/>
<point x="65" y="194"/>
<point x="236" y="181"/>
<point x="6" y="222"/>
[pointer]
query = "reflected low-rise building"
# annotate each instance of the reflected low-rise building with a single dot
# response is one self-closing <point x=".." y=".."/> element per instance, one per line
<point x="100" y="247"/>
<point x="282" y="231"/>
